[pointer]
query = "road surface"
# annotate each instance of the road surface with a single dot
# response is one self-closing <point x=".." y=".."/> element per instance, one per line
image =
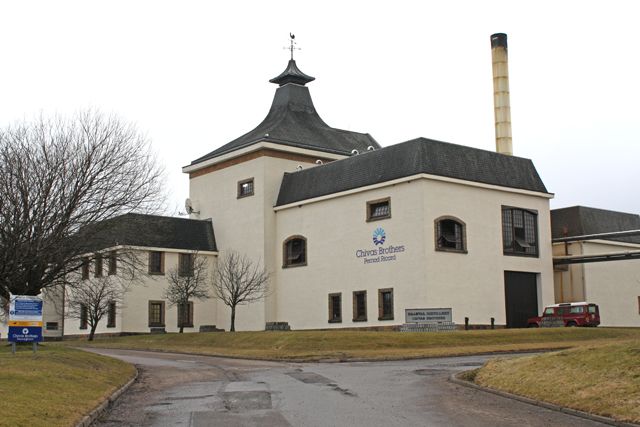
<point x="182" y="390"/>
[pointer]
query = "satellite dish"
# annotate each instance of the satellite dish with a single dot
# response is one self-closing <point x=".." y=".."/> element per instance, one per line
<point x="188" y="206"/>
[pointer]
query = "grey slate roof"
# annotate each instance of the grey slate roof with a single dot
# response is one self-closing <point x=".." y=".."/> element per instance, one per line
<point x="150" y="231"/>
<point x="581" y="220"/>
<point x="292" y="74"/>
<point x="419" y="155"/>
<point x="294" y="121"/>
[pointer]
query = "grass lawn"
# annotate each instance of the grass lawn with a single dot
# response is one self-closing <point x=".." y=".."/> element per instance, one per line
<point x="602" y="379"/>
<point x="317" y="345"/>
<point x="55" y="387"/>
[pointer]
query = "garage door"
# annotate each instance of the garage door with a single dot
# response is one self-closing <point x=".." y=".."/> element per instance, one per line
<point x="521" y="297"/>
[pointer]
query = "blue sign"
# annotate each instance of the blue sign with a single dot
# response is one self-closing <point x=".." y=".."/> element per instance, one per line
<point x="25" y="334"/>
<point x="27" y="307"/>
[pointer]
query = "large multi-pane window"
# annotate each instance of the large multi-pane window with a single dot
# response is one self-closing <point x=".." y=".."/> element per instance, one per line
<point x="519" y="231"/>
<point x="294" y="252"/>
<point x="98" y="270"/>
<point x="113" y="262"/>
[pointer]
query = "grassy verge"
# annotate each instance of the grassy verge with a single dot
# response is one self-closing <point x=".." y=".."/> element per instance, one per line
<point x="55" y="387"/>
<point x="316" y="345"/>
<point x="602" y="379"/>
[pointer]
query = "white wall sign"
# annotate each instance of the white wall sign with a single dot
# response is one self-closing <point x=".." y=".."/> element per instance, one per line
<point x="427" y="315"/>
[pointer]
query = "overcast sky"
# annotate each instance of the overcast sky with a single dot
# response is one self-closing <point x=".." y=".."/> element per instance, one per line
<point x="193" y="75"/>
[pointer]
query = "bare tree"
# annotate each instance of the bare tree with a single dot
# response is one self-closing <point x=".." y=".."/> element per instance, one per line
<point x="58" y="177"/>
<point x="90" y="300"/>
<point x="238" y="280"/>
<point x="187" y="281"/>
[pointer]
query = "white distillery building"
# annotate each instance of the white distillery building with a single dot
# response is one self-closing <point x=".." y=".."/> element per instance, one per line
<point x="351" y="234"/>
<point x="610" y="272"/>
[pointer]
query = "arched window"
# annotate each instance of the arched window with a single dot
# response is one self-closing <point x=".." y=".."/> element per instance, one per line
<point x="450" y="235"/>
<point x="294" y="253"/>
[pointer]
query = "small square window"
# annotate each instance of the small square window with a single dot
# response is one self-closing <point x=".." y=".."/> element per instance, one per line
<point x="51" y="326"/>
<point x="360" y="306"/>
<point x="335" y="308"/>
<point x="378" y="209"/>
<point x="245" y="188"/>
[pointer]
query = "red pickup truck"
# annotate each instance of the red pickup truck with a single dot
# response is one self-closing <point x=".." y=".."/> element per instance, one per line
<point x="569" y="314"/>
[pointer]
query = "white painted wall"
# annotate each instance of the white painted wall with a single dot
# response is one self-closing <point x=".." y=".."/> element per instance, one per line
<point x="471" y="284"/>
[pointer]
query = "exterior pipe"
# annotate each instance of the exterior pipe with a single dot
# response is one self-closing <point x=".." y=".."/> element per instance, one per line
<point x="501" y="102"/>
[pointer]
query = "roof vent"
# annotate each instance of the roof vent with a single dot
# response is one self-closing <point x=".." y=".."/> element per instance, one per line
<point x="318" y="162"/>
<point x="371" y="148"/>
<point x="299" y="167"/>
<point x="354" y="152"/>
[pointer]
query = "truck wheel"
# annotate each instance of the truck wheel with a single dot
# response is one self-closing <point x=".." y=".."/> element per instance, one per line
<point x="532" y="325"/>
<point x="571" y="324"/>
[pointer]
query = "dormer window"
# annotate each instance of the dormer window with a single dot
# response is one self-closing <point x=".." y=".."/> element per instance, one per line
<point x="245" y="188"/>
<point x="379" y="209"/>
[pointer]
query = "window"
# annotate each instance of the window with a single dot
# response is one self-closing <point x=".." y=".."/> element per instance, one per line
<point x="185" y="315"/>
<point x="245" y="188"/>
<point x="385" y="304"/>
<point x="577" y="309"/>
<point x="294" y="252"/>
<point x="111" y="315"/>
<point x="51" y="326"/>
<point x="156" y="313"/>
<point x="360" y="306"/>
<point x="185" y="265"/>
<point x="549" y="311"/>
<point x="113" y="263"/>
<point x="450" y="235"/>
<point x="85" y="268"/>
<point x="156" y="262"/>
<point x="519" y="232"/>
<point x="98" y="272"/>
<point x="638" y="307"/>
<point x="84" y="315"/>
<point x="335" y="308"/>
<point x="379" y="209"/>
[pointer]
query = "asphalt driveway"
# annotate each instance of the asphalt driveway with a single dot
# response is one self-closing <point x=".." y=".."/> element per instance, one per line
<point x="182" y="390"/>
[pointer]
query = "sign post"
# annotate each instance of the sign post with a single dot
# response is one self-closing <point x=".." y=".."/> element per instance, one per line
<point x="25" y="320"/>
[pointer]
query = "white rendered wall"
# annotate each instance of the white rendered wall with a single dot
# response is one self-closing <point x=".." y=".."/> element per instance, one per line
<point x="471" y="284"/>
<point x="613" y="285"/>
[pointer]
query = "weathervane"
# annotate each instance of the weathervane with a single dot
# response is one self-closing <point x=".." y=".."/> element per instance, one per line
<point x="292" y="47"/>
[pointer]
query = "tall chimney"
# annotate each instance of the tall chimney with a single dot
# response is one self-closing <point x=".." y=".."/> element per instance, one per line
<point x="501" y="103"/>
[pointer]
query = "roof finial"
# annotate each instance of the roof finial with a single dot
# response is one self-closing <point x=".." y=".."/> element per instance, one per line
<point x="292" y="47"/>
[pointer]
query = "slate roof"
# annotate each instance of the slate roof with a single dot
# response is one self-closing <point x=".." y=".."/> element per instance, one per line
<point x="150" y="231"/>
<point x="294" y="121"/>
<point x="581" y="220"/>
<point x="416" y="156"/>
